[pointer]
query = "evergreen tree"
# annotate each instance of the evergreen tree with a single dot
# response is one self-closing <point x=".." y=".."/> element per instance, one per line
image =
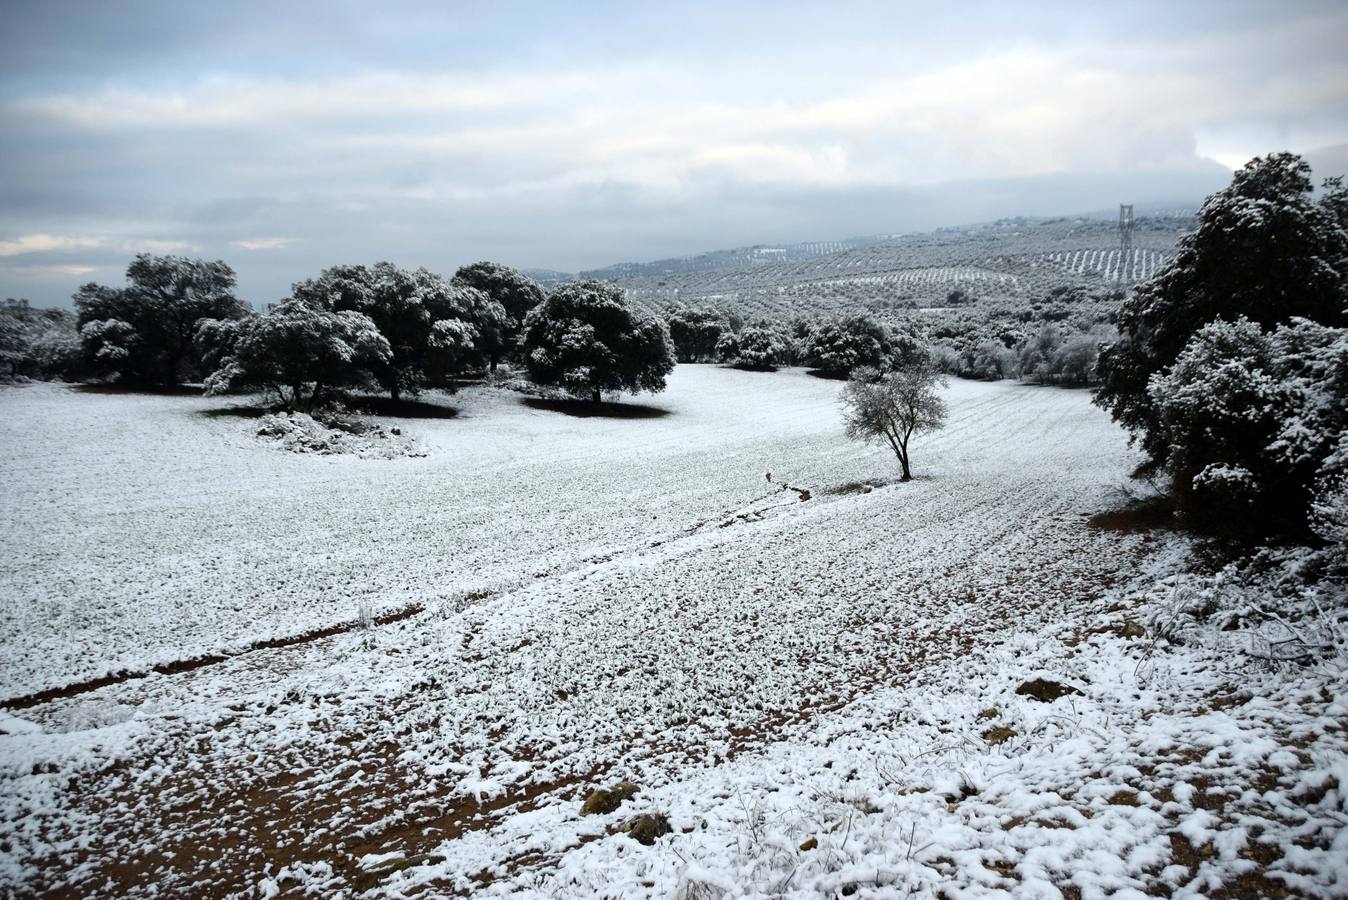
<point x="585" y="339"/>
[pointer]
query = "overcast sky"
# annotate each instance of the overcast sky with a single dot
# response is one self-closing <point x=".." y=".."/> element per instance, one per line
<point x="284" y="137"/>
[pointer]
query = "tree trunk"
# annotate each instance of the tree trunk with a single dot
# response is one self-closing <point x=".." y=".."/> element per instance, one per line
<point x="596" y="397"/>
<point x="394" y="392"/>
<point x="903" y="462"/>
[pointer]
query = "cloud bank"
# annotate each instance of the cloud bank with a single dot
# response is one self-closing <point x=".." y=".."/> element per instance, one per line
<point x="574" y="137"/>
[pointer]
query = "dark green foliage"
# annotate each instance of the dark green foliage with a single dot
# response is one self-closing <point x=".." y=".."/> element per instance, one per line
<point x="1055" y="357"/>
<point x="1256" y="424"/>
<point x="1263" y="249"/>
<point x="836" y="347"/>
<point x="37" y="343"/>
<point x="298" y="352"/>
<point x="696" y="333"/>
<point x="435" y="328"/>
<point x="516" y="292"/>
<point x="585" y="339"/>
<point x="760" y="347"/>
<point x="143" y="333"/>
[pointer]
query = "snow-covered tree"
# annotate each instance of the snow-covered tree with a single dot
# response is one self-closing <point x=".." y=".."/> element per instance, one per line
<point x="585" y="339"/>
<point x="1264" y="249"/>
<point x="516" y="292"/>
<point x="1254" y="423"/>
<point x="836" y="347"/>
<point x="839" y="346"/>
<point x="298" y="352"/>
<point x="143" y="333"/>
<point x="890" y="407"/>
<point x="435" y="328"/>
<point x="36" y="343"/>
<point x="696" y="333"/>
<point x="761" y="347"/>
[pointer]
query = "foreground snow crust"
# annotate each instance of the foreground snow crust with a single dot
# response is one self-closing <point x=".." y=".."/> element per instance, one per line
<point x="819" y="696"/>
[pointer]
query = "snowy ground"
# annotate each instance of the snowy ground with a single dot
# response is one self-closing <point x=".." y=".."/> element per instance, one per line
<point x="819" y="695"/>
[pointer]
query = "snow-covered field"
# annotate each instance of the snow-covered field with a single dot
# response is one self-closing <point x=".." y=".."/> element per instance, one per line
<point x="819" y="696"/>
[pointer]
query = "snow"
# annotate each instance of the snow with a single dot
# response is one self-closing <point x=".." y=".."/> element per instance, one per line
<point x="631" y="599"/>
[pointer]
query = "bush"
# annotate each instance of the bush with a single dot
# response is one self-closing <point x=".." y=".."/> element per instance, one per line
<point x="836" y="347"/>
<point x="760" y="347"/>
<point x="1255" y="426"/>
<point x="696" y="333"/>
<point x="1264" y="249"/>
<point x="37" y="343"/>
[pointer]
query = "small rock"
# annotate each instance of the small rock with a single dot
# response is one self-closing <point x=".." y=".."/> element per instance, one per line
<point x="810" y="844"/>
<point x="606" y="800"/>
<point x="989" y="713"/>
<point x="1132" y="629"/>
<point x="646" y="828"/>
<point x="1045" y="691"/>
<point x="999" y="735"/>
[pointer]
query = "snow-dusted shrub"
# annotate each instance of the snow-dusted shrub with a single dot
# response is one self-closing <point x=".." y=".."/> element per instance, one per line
<point x="143" y="333"/>
<point x="1283" y="604"/>
<point x="36" y="343"/>
<point x="297" y="352"/>
<point x="586" y="339"/>
<point x="761" y="347"/>
<point x="697" y="332"/>
<point x="839" y="346"/>
<point x="1265" y="249"/>
<point x="1254" y="425"/>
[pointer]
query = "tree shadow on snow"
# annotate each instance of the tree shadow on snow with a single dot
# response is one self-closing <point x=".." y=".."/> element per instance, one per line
<point x="585" y="409"/>
<point x="400" y="409"/>
<point x="237" y="412"/>
<point x="112" y="387"/>
<point x="1137" y="515"/>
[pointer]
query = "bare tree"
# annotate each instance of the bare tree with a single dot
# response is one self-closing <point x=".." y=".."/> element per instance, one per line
<point x="891" y="407"/>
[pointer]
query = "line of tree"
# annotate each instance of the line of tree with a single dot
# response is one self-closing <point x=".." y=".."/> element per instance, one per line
<point x="833" y="347"/>
<point x="179" y="320"/>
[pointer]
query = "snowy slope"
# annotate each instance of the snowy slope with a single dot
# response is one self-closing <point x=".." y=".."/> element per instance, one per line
<point x="807" y="690"/>
<point x="138" y="531"/>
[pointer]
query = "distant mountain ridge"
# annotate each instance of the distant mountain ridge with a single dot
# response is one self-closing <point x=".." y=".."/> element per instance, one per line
<point x="739" y="256"/>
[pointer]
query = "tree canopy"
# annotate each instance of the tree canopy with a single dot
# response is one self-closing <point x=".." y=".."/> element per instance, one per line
<point x="143" y="333"/>
<point x="696" y="332"/>
<point x="516" y="293"/>
<point x="298" y="352"/>
<point x="1264" y="249"/>
<point x="585" y="339"/>
<point x="890" y="407"/>
<point x="435" y="327"/>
